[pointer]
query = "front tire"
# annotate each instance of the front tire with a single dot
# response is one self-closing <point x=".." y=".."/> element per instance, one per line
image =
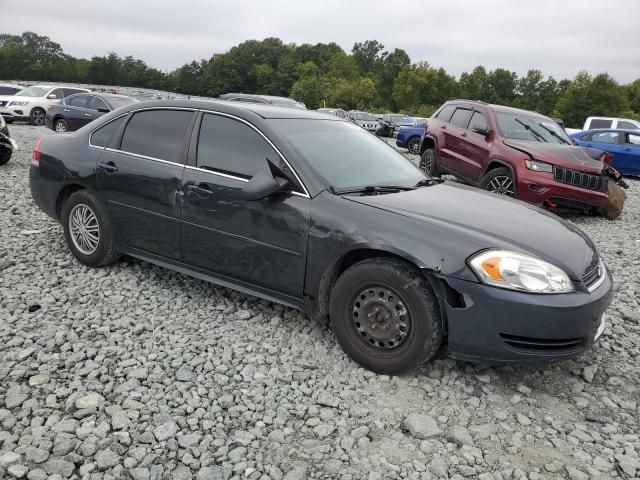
<point x="429" y="163"/>
<point x="88" y="230"/>
<point x="61" y="126"/>
<point x="36" y="117"/>
<point x="385" y="315"/>
<point x="500" y="180"/>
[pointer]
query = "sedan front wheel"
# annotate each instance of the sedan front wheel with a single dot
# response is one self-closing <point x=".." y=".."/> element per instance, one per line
<point x="385" y="315"/>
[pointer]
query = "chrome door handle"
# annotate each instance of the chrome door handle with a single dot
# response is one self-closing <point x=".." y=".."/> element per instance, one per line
<point x="463" y="134"/>
<point x="201" y="189"/>
<point x="87" y="114"/>
<point x="67" y="110"/>
<point x="109" y="166"/>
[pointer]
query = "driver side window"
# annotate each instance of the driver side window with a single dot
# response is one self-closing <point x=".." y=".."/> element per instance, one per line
<point x="58" y="92"/>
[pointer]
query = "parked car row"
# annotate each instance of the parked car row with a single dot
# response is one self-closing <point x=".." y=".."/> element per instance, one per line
<point x="77" y="110"/>
<point x="31" y="103"/>
<point x="314" y="212"/>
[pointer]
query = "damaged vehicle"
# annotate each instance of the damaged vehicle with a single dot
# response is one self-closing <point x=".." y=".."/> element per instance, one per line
<point x="7" y="144"/>
<point x="315" y="213"/>
<point x="520" y="154"/>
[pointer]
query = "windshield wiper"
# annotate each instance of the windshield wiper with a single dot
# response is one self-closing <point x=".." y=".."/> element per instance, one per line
<point x="373" y="189"/>
<point x="529" y="128"/>
<point x="554" y="134"/>
<point x="428" y="182"/>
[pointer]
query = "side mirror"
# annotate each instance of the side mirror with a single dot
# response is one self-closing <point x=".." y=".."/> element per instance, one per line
<point x="52" y="96"/>
<point x="485" y="132"/>
<point x="262" y="186"/>
<point x="103" y="110"/>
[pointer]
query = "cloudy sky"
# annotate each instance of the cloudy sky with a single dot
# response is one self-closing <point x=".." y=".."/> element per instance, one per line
<point x="560" y="37"/>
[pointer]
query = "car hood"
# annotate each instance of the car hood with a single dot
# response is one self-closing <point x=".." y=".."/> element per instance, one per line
<point x="568" y="156"/>
<point x="482" y="220"/>
<point x="16" y="98"/>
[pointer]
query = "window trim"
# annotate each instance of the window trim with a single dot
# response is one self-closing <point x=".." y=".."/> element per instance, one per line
<point x="185" y="165"/>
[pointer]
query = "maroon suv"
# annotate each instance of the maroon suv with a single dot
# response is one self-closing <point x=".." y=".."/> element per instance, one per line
<point x="516" y="153"/>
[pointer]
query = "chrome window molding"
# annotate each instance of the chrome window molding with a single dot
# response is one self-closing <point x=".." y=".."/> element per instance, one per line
<point x="304" y="194"/>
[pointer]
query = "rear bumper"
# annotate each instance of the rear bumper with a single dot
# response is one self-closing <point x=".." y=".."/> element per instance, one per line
<point x="543" y="189"/>
<point x="499" y="325"/>
<point x="45" y="196"/>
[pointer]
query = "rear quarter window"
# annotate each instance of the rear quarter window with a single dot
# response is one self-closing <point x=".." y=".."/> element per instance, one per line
<point x="102" y="136"/>
<point x="600" y="123"/>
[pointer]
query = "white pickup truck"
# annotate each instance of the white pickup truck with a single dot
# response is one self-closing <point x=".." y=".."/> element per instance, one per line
<point x="610" y="122"/>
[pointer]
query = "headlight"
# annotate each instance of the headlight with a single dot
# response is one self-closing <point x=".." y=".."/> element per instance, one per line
<point x="516" y="271"/>
<point x="17" y="104"/>
<point x="538" y="166"/>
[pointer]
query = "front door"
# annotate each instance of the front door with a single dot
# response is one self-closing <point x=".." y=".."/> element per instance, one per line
<point x="629" y="157"/>
<point x="259" y="242"/>
<point x="139" y="176"/>
<point x="76" y="110"/>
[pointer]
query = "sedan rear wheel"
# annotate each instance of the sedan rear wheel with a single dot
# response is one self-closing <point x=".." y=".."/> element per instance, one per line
<point x="37" y="116"/>
<point x="61" y="126"/>
<point x="500" y="181"/>
<point x="414" y="146"/>
<point x="385" y="315"/>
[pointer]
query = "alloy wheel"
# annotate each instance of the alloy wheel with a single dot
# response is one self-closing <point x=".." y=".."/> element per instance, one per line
<point x="60" y="127"/>
<point x="502" y="185"/>
<point x="380" y="317"/>
<point x="414" y="146"/>
<point x="84" y="229"/>
<point x="38" y="117"/>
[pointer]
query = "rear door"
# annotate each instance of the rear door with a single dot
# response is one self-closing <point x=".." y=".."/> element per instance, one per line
<point x="475" y="147"/>
<point x="454" y="142"/>
<point x="259" y="242"/>
<point x="96" y="107"/>
<point x="140" y="175"/>
<point x="75" y="110"/>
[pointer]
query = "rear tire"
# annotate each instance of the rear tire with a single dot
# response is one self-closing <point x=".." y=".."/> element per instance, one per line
<point x="500" y="180"/>
<point x="36" y="117"/>
<point x="88" y="230"/>
<point x="385" y="315"/>
<point x="5" y="155"/>
<point x="61" y="126"/>
<point x="429" y="163"/>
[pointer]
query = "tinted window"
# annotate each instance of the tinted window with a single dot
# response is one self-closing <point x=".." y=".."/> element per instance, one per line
<point x="627" y="125"/>
<point x="596" y="123"/>
<point x="445" y="113"/>
<point x="95" y="103"/>
<point x="633" y="139"/>
<point x="71" y="91"/>
<point x="77" y="101"/>
<point x="157" y="133"/>
<point x="8" y="90"/>
<point x="461" y="117"/>
<point x="479" y="122"/>
<point x="603" y="137"/>
<point x="57" y="92"/>
<point x="229" y="146"/>
<point x="102" y="136"/>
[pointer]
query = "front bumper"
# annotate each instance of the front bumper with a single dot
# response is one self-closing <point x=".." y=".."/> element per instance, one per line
<point x="13" y="113"/>
<point x="498" y="325"/>
<point x="542" y="189"/>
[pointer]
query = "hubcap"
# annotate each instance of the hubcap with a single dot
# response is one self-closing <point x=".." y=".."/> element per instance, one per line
<point x="380" y="317"/>
<point x="414" y="146"/>
<point x="60" y="127"/>
<point x="38" y="117"/>
<point x="84" y="228"/>
<point x="502" y="185"/>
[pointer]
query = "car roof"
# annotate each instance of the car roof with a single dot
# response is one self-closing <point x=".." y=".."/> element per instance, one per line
<point x="262" y="110"/>
<point x="496" y="108"/>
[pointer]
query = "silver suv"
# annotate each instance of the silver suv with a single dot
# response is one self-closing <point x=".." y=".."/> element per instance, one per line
<point x="365" y="119"/>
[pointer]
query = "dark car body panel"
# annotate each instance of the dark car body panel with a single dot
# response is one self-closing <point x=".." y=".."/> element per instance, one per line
<point x="289" y="247"/>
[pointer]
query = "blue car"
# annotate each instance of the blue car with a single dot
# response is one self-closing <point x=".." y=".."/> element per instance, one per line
<point x="409" y="137"/>
<point x="623" y="144"/>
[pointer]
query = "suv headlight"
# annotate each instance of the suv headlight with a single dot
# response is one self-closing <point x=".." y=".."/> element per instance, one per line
<point x="17" y="104"/>
<point x="516" y="271"/>
<point x="537" y="166"/>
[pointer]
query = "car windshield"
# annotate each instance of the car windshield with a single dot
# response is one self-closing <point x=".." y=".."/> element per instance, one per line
<point x="347" y="156"/>
<point x="117" y="102"/>
<point x="32" y="92"/>
<point x="517" y="126"/>
<point x="365" y="116"/>
<point x="401" y="120"/>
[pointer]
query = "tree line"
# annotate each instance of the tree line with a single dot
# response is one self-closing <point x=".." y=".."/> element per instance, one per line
<point x="369" y="77"/>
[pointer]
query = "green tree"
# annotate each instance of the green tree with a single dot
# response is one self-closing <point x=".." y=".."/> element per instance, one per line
<point x="368" y="55"/>
<point x="307" y="88"/>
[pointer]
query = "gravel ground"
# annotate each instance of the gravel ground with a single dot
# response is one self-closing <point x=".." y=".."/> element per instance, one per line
<point x="137" y="372"/>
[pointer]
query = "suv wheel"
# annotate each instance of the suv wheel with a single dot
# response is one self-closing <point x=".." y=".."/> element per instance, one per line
<point x="429" y="163"/>
<point x="414" y="146"/>
<point x="500" y="181"/>
<point x="37" y="116"/>
<point x="385" y="315"/>
<point x="88" y="231"/>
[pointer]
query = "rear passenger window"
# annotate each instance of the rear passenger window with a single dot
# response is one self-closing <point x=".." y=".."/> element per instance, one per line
<point x="445" y="113"/>
<point x="231" y="147"/>
<point x="627" y="125"/>
<point x="597" y="123"/>
<point x="461" y="117"/>
<point x="157" y="133"/>
<point x="603" y="137"/>
<point x="478" y="122"/>
<point x="77" y="101"/>
<point x="102" y="136"/>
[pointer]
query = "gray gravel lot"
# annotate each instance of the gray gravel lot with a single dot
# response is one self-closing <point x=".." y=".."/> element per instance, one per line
<point x="134" y="371"/>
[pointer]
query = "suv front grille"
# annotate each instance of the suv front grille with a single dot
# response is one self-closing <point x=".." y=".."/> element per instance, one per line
<point x="597" y="183"/>
<point x="593" y="275"/>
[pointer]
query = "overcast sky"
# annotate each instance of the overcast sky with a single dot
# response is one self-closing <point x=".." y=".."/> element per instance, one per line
<point x="560" y="37"/>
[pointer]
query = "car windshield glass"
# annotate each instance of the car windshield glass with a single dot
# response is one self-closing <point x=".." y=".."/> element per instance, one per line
<point x="365" y="116"/>
<point x="402" y="120"/>
<point x="117" y="102"/>
<point x="536" y="129"/>
<point x="32" y="92"/>
<point x="347" y="156"/>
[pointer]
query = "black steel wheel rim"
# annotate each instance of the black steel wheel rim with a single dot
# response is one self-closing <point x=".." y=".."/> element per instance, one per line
<point x="380" y="317"/>
<point x="502" y="185"/>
